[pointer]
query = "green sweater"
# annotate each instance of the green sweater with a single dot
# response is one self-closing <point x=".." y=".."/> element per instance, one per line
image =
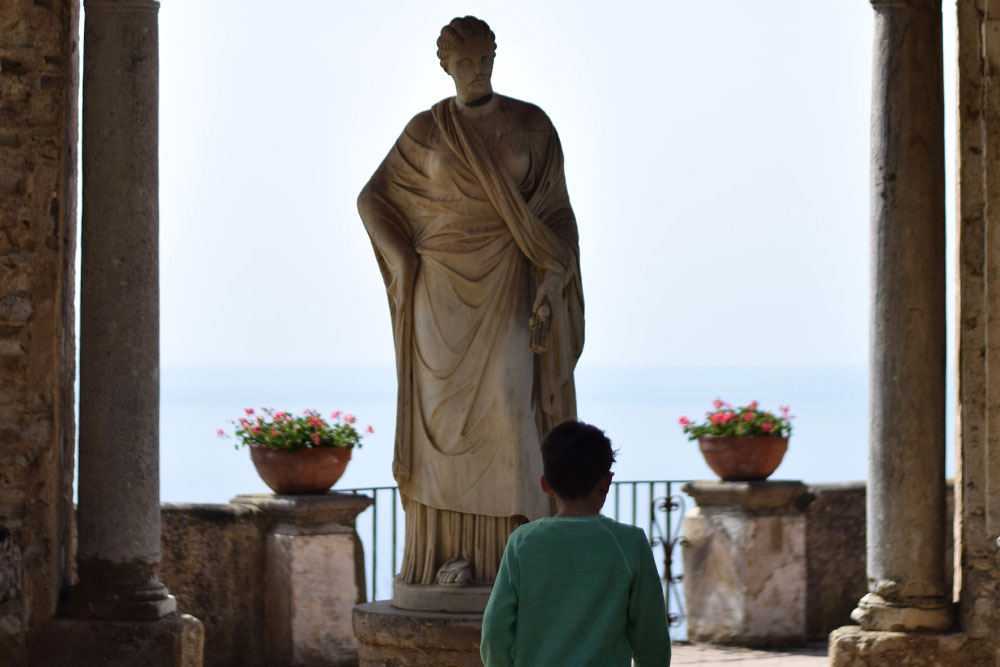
<point x="576" y="591"/>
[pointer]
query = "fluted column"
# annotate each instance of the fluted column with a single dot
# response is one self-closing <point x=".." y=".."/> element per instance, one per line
<point x="906" y="581"/>
<point x="119" y="505"/>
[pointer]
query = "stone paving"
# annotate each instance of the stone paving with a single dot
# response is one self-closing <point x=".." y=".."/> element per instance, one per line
<point x="813" y="655"/>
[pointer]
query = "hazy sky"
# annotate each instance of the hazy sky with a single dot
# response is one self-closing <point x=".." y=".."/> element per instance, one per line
<point x="716" y="157"/>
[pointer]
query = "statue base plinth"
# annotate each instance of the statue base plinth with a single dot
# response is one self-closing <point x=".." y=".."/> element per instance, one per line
<point x="389" y="636"/>
<point x="434" y="597"/>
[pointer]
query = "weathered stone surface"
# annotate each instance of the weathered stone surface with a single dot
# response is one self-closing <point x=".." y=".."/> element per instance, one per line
<point x="745" y="564"/>
<point x="770" y="496"/>
<point x="468" y="599"/>
<point x="38" y="155"/>
<point x="851" y="646"/>
<point x="172" y="641"/>
<point x="213" y="562"/>
<point x="905" y="501"/>
<point x="391" y="637"/>
<point x="977" y="333"/>
<point x="273" y="578"/>
<point x="312" y="582"/>
<point x="835" y="556"/>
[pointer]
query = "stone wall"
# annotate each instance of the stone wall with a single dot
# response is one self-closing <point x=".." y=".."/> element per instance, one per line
<point x="835" y="553"/>
<point x="978" y="230"/>
<point x="38" y="156"/>
<point x="213" y="562"/>
<point x="273" y="579"/>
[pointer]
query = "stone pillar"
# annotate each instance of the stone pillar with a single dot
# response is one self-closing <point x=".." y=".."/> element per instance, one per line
<point x="313" y="577"/>
<point x="744" y="547"/>
<point x="119" y="613"/>
<point x="905" y="502"/>
<point x="119" y="484"/>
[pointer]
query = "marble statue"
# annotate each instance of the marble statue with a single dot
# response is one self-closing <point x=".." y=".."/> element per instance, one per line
<point x="476" y="241"/>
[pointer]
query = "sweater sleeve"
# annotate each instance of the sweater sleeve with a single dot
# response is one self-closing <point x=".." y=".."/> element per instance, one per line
<point x="500" y="617"/>
<point x="647" y="615"/>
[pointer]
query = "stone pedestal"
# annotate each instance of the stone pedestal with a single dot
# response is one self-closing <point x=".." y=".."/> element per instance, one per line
<point x="313" y="577"/>
<point x="391" y="637"/>
<point x="172" y="641"/>
<point x="744" y="549"/>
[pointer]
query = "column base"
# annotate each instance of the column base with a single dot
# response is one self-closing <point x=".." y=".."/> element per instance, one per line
<point x="391" y="637"/>
<point x="172" y="641"/>
<point x="876" y="614"/>
<point x="850" y="646"/>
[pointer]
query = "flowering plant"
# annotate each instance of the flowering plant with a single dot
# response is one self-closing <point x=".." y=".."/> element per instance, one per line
<point x="740" y="421"/>
<point x="282" y="430"/>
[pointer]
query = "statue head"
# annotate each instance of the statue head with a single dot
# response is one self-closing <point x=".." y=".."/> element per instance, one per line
<point x="466" y="48"/>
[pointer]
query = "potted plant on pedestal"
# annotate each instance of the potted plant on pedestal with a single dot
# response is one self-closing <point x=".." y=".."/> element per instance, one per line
<point x="297" y="455"/>
<point x="741" y="444"/>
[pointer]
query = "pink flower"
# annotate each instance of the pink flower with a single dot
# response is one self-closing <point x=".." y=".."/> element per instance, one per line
<point x="316" y="438"/>
<point x="718" y="418"/>
<point x="369" y="429"/>
<point x="728" y="417"/>
<point x="753" y="405"/>
<point x="222" y="434"/>
<point x="350" y="419"/>
<point x="784" y="410"/>
<point x="335" y="414"/>
<point x="274" y="433"/>
<point x="766" y="427"/>
<point x="249" y="411"/>
<point x="684" y="421"/>
<point x="748" y="416"/>
<point x="717" y="403"/>
<point x="315" y="422"/>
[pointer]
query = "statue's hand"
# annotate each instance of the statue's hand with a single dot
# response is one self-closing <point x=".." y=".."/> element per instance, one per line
<point x="540" y="321"/>
<point x="540" y="324"/>
<point x="550" y="288"/>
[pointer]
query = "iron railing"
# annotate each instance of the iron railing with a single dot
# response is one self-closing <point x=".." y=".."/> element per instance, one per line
<point x="656" y="506"/>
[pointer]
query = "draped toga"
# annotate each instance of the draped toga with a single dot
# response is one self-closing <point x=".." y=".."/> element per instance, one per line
<point x="466" y="216"/>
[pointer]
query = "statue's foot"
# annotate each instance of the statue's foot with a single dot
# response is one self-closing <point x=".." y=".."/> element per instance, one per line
<point x="455" y="572"/>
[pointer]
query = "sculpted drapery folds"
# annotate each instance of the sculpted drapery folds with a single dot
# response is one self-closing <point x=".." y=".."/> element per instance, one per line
<point x="475" y="238"/>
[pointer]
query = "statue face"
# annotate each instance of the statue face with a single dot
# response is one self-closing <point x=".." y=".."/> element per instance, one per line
<point x="471" y="67"/>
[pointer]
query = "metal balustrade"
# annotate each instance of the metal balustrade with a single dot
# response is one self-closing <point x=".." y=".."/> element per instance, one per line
<point x="656" y="506"/>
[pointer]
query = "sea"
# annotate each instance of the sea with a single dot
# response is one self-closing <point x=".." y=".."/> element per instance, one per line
<point x="638" y="407"/>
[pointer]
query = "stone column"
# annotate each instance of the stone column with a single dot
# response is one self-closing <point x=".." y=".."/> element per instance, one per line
<point x="119" y="495"/>
<point x="905" y="505"/>
<point x="119" y="615"/>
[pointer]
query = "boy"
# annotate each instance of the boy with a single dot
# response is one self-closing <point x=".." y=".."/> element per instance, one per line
<point x="576" y="589"/>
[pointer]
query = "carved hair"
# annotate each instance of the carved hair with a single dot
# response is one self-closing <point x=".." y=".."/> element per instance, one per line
<point x="460" y="31"/>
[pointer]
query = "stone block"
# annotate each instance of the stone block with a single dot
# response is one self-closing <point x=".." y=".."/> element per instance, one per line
<point x="172" y="641"/>
<point x="311" y="589"/>
<point x="391" y="637"/>
<point x="744" y="550"/>
<point x="850" y="646"/>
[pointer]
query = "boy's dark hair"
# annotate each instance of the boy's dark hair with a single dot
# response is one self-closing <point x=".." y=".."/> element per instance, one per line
<point x="574" y="458"/>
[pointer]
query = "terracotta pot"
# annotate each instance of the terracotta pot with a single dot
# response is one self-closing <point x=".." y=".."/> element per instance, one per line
<point x="304" y="471"/>
<point x="743" y="459"/>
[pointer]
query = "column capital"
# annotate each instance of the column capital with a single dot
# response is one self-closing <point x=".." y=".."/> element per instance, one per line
<point x="121" y="5"/>
<point x="927" y="5"/>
